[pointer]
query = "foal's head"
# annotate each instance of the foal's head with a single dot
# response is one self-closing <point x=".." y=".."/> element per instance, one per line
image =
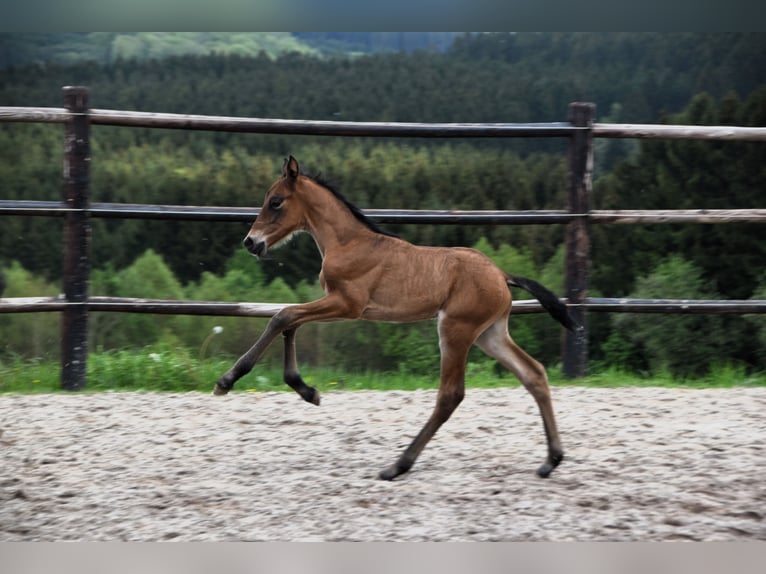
<point x="292" y="202"/>
<point x="282" y="214"/>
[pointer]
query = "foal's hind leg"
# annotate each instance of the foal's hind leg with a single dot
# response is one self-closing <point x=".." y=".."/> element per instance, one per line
<point x="454" y="341"/>
<point x="496" y="342"/>
<point x="291" y="375"/>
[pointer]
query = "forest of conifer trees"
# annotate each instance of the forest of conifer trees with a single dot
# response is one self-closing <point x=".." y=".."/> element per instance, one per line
<point x="705" y="79"/>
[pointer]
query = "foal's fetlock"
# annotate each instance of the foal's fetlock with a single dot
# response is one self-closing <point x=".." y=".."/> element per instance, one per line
<point x="307" y="393"/>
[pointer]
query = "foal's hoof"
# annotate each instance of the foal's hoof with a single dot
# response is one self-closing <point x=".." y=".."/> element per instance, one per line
<point x="394" y="470"/>
<point x="547" y="467"/>
<point x="310" y="395"/>
<point x="389" y="473"/>
<point x="218" y="390"/>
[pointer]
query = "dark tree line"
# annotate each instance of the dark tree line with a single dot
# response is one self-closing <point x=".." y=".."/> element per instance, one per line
<point x="483" y="77"/>
<point x="524" y="77"/>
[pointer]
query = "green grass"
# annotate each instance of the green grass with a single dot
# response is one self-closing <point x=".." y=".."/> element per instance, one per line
<point x="176" y="371"/>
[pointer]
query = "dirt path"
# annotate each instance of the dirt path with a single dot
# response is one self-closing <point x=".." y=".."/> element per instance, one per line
<point x="641" y="464"/>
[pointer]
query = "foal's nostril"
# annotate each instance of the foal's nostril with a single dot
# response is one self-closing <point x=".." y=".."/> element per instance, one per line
<point x="255" y="247"/>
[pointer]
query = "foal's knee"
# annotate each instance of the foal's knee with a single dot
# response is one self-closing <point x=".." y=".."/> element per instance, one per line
<point x="281" y="321"/>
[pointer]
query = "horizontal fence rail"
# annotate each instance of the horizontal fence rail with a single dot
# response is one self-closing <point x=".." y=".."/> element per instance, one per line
<point x="379" y="129"/>
<point x="579" y="130"/>
<point x="395" y="216"/>
<point x="288" y="126"/>
<point x="644" y="131"/>
<point x="246" y="309"/>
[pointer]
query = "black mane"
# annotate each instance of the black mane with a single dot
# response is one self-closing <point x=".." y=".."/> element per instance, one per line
<point x="357" y="213"/>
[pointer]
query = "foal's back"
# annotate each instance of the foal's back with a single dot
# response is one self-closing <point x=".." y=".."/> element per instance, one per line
<point x="413" y="282"/>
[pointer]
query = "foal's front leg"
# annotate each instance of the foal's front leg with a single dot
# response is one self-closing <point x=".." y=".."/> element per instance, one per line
<point x="247" y="361"/>
<point x="328" y="308"/>
<point x="291" y="375"/>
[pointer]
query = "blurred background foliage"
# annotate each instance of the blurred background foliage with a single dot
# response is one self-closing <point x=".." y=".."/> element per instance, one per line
<point x="698" y="78"/>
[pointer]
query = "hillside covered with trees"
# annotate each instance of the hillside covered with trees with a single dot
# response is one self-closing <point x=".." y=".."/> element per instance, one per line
<point x="636" y="78"/>
<point x="106" y="48"/>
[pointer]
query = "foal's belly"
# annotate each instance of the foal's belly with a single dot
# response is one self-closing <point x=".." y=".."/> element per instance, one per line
<point x="405" y="313"/>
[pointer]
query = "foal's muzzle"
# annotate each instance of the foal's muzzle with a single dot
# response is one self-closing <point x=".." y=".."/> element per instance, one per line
<point x="256" y="247"/>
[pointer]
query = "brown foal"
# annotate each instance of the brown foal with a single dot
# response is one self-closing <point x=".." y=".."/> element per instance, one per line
<point x="370" y="274"/>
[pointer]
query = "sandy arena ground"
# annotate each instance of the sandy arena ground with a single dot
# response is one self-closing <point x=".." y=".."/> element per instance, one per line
<point x="641" y="464"/>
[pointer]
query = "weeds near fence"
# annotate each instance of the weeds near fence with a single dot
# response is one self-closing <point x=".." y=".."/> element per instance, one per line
<point x="157" y="370"/>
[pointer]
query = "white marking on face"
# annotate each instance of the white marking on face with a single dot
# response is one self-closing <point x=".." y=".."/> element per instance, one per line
<point x="284" y="240"/>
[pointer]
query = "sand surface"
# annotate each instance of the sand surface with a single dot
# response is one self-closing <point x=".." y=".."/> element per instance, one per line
<point x="641" y="464"/>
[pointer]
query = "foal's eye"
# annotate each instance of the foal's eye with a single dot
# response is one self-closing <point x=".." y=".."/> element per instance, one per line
<point x="276" y="202"/>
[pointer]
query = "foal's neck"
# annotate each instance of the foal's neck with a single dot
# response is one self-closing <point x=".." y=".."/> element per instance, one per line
<point x="332" y="224"/>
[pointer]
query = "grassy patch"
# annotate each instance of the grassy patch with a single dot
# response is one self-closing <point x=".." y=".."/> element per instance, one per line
<point x="176" y="371"/>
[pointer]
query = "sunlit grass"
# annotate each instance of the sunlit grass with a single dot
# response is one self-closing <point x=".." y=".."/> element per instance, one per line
<point x="166" y="371"/>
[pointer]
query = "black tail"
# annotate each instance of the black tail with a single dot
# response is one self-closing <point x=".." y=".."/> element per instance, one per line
<point x="547" y="299"/>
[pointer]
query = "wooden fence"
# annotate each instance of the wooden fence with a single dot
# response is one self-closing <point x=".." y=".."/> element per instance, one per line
<point x="76" y="210"/>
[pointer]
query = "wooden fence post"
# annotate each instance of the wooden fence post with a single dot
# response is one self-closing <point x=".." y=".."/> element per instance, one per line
<point x="575" y="344"/>
<point x="76" y="258"/>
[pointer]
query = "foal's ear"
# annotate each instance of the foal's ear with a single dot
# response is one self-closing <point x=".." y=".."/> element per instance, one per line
<point x="291" y="168"/>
